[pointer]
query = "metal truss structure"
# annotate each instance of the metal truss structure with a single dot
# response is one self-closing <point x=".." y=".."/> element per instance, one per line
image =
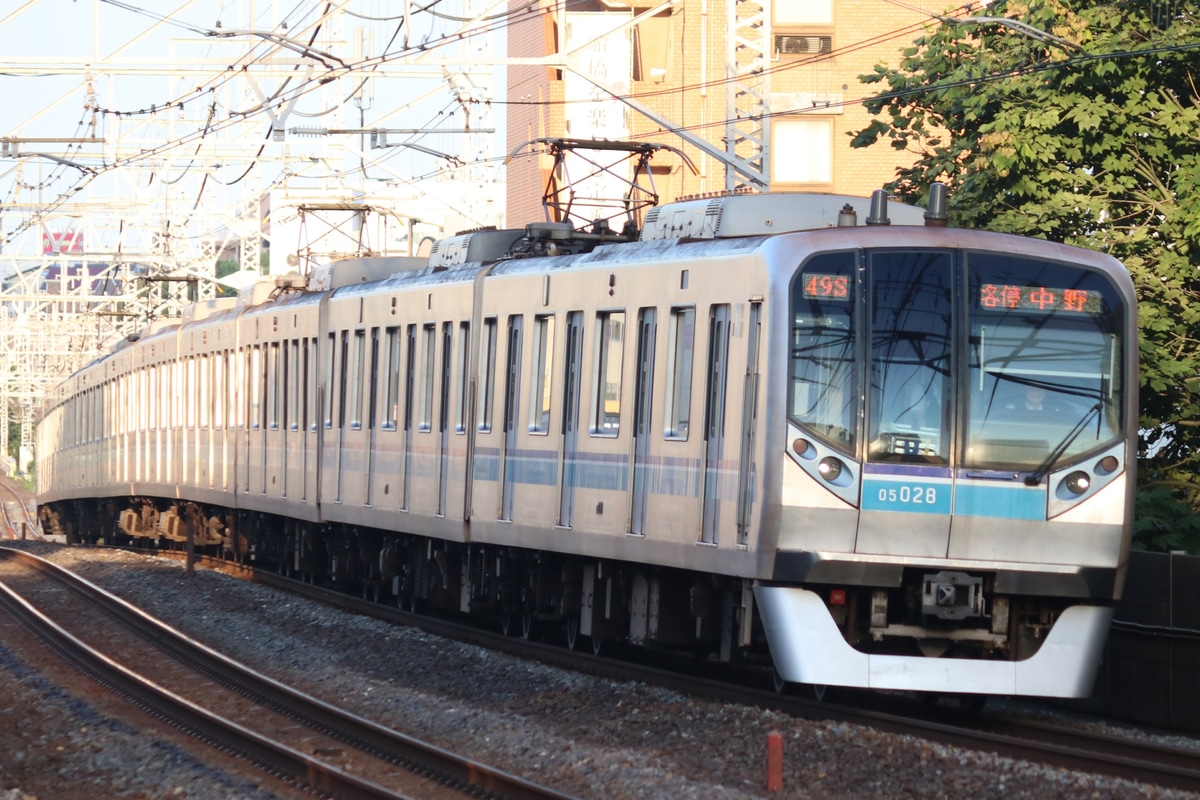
<point x="748" y="113"/>
<point x="197" y="141"/>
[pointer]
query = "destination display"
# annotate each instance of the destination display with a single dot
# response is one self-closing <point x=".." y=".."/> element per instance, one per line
<point x="820" y="286"/>
<point x="1039" y="298"/>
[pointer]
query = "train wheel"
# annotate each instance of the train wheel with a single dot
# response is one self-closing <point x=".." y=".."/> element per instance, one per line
<point x="572" y="632"/>
<point x="819" y="691"/>
<point x="507" y="620"/>
<point x="528" y="626"/>
<point x="597" y="645"/>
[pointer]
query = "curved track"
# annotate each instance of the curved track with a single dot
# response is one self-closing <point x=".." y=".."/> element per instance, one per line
<point x="1036" y="741"/>
<point x="18" y="522"/>
<point x="286" y="732"/>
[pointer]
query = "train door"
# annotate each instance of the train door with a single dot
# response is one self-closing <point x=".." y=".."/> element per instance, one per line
<point x="512" y="402"/>
<point x="746" y="472"/>
<point x="909" y="405"/>
<point x="714" y="422"/>
<point x="643" y="394"/>
<point x="372" y="391"/>
<point x="444" y="401"/>
<point x="570" y="424"/>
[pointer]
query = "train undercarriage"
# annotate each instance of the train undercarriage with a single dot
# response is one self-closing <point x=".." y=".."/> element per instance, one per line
<point x="574" y="599"/>
<point x="527" y="593"/>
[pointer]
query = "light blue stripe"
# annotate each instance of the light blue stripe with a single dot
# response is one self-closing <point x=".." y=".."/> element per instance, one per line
<point x="909" y="495"/>
<point x="1000" y="500"/>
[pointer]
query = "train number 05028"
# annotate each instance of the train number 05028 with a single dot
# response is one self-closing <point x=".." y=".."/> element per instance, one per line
<point x="917" y="495"/>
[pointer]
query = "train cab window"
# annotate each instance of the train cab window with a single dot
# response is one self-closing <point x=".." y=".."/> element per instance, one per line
<point x="1044" y="370"/>
<point x="681" y="342"/>
<point x="543" y="362"/>
<point x="822" y="382"/>
<point x="488" y="366"/>
<point x="909" y="402"/>
<point x="391" y="384"/>
<point x="608" y="359"/>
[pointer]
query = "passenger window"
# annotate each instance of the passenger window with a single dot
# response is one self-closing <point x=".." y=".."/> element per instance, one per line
<point x="373" y="379"/>
<point x="428" y="346"/>
<point x="488" y="354"/>
<point x="543" y="362"/>
<point x="256" y="382"/>
<point x="606" y="379"/>
<point x="464" y="375"/>
<point x="391" y="387"/>
<point x="681" y="341"/>
<point x="343" y="378"/>
<point x="272" y="380"/>
<point x="358" y="363"/>
<point x="327" y="399"/>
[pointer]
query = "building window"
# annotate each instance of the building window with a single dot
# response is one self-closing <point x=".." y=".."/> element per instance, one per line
<point x="802" y="150"/>
<point x="802" y="12"/>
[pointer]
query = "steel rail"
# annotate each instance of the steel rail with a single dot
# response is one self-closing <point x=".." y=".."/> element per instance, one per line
<point x="1034" y="741"/>
<point x="448" y="767"/>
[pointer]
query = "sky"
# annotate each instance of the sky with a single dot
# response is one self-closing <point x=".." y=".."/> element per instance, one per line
<point x="192" y="109"/>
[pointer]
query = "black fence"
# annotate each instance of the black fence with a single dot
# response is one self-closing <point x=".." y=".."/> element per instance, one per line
<point x="1151" y="669"/>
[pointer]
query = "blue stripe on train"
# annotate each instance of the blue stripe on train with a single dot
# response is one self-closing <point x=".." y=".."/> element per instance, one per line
<point x="917" y="494"/>
<point x="677" y="477"/>
<point x="1002" y="500"/>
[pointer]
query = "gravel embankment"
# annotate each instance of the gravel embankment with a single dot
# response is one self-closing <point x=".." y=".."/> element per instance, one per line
<point x="588" y="737"/>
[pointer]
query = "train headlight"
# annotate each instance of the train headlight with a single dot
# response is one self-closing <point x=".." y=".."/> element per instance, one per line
<point x="1077" y="482"/>
<point x="830" y="468"/>
<point x="1108" y="465"/>
<point x="803" y="448"/>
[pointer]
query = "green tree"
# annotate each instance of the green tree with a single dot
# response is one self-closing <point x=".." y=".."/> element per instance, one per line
<point x="1079" y="124"/>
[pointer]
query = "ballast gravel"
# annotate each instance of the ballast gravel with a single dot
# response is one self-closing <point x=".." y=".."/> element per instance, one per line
<point x="588" y="737"/>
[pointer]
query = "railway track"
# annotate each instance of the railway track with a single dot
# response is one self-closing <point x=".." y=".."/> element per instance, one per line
<point x="315" y="745"/>
<point x="17" y="521"/>
<point x="1037" y="741"/>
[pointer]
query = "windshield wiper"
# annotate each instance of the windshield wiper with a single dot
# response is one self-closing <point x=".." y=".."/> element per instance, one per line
<point x="1055" y="454"/>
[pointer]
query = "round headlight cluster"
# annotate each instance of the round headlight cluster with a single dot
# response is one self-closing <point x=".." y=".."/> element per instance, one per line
<point x="830" y="468"/>
<point x="1077" y="482"/>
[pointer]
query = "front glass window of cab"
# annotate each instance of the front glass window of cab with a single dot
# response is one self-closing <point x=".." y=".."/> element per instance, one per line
<point x="1044" y="362"/>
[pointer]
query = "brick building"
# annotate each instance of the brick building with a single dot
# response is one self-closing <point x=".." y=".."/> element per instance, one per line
<point x="799" y="59"/>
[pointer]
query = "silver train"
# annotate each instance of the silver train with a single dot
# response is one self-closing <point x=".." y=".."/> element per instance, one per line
<point x="892" y="455"/>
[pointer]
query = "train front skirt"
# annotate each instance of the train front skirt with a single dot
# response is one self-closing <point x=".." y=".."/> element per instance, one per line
<point x="807" y="647"/>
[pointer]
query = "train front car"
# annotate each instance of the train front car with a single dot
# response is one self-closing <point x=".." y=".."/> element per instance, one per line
<point x="956" y="495"/>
